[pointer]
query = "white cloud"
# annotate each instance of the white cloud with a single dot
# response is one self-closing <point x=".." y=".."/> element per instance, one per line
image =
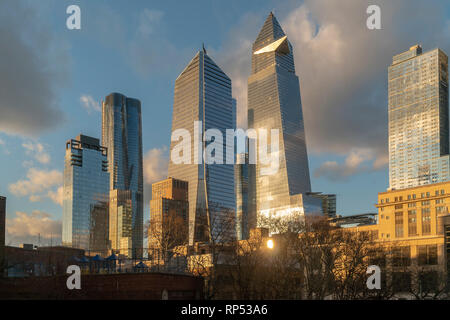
<point x="358" y="161"/>
<point x="38" y="184"/>
<point x="26" y="228"/>
<point x="37" y="151"/>
<point x="56" y="196"/>
<point x="156" y="164"/>
<point x="90" y="104"/>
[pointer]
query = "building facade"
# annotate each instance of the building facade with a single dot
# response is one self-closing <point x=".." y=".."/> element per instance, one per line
<point x="413" y="227"/>
<point x="120" y="221"/>
<point x="418" y="118"/>
<point x="274" y="103"/>
<point x="328" y="203"/>
<point x="241" y="184"/>
<point x="203" y="101"/>
<point x="122" y="135"/>
<point x="85" y="193"/>
<point x="169" y="210"/>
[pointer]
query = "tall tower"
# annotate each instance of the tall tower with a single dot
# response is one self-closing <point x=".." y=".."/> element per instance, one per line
<point x="274" y="103"/>
<point x="418" y="118"/>
<point x="122" y="135"/>
<point x="85" y="195"/>
<point x="203" y="100"/>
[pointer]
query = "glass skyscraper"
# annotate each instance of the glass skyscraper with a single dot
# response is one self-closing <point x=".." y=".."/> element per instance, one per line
<point x="203" y="93"/>
<point x="274" y="103"/>
<point x="85" y="195"/>
<point x="418" y="118"/>
<point x="122" y="135"/>
<point x="241" y="186"/>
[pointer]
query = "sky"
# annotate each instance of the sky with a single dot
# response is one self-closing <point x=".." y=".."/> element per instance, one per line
<point x="52" y="81"/>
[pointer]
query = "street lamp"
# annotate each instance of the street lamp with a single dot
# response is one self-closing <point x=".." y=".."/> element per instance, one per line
<point x="270" y="244"/>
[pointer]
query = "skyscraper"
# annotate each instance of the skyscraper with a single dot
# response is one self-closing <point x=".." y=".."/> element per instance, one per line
<point x="203" y="93"/>
<point x="168" y="215"/>
<point x="122" y="135"/>
<point x="274" y="103"/>
<point x="241" y="186"/>
<point x="120" y="221"/>
<point x="418" y="118"/>
<point x="85" y="193"/>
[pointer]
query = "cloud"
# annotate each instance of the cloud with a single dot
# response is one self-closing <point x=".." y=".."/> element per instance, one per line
<point x="56" y="196"/>
<point x="90" y="104"/>
<point x="3" y="146"/>
<point x="149" y="21"/>
<point x="342" y="66"/>
<point x="37" y="151"/>
<point x="33" y="67"/>
<point x="355" y="163"/>
<point x="156" y="164"/>
<point x="38" y="184"/>
<point x="26" y="228"/>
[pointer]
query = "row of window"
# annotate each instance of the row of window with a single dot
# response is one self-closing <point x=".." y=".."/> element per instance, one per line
<point x="413" y="196"/>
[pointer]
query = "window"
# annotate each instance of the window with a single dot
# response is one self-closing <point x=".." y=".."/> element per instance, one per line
<point x="436" y="192"/>
<point x="439" y="201"/>
<point x="427" y="255"/>
<point x="399" y="224"/>
<point x="441" y="209"/>
<point x="401" y="256"/>
<point x="442" y="192"/>
<point x="398" y="206"/>
<point x="426" y="221"/>
<point x="411" y="205"/>
<point x="426" y="203"/>
<point x="412" y="223"/>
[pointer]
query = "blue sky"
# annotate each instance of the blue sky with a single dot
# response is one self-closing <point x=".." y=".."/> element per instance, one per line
<point x="52" y="81"/>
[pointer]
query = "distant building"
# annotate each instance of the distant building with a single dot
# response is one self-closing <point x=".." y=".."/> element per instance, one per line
<point x="2" y="232"/>
<point x="241" y="171"/>
<point x="40" y="261"/>
<point x="121" y="221"/>
<point x="169" y="208"/>
<point x="418" y="118"/>
<point x="122" y="135"/>
<point x="328" y="203"/>
<point x="85" y="194"/>
<point x="99" y="235"/>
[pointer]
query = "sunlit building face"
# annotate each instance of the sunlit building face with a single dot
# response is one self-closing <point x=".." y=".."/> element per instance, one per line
<point x="418" y="118"/>
<point x="274" y="103"/>
<point x="203" y="93"/>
